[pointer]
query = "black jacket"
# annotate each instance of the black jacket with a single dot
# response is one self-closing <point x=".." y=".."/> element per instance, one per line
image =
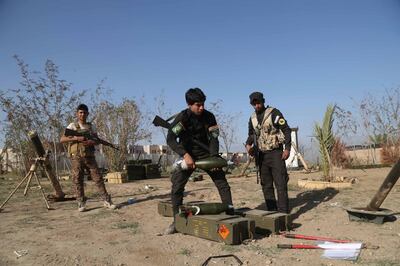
<point x="189" y="133"/>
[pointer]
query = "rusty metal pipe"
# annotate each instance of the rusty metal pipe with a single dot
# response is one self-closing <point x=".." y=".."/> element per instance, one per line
<point x="385" y="188"/>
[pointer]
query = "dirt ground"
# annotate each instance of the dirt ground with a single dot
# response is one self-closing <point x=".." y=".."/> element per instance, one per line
<point x="130" y="235"/>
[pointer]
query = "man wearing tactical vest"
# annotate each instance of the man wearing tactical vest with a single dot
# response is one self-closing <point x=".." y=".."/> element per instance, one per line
<point x="82" y="154"/>
<point x="270" y="137"/>
<point x="194" y="135"/>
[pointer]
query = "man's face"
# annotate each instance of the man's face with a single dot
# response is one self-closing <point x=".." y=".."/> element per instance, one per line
<point x="197" y="108"/>
<point x="82" y="115"/>
<point x="258" y="106"/>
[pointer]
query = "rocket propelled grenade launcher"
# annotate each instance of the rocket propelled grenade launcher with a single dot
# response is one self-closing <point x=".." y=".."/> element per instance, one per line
<point x="69" y="132"/>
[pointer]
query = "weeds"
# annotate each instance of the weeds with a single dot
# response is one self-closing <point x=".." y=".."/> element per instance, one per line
<point x="263" y="251"/>
<point x="133" y="227"/>
<point x="185" y="252"/>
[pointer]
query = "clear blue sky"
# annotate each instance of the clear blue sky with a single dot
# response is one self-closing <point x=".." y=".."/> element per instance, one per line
<point x="301" y="54"/>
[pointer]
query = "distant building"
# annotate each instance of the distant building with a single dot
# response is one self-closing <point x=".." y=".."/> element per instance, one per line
<point x="9" y="161"/>
<point x="149" y="149"/>
<point x="156" y="149"/>
<point x="135" y="149"/>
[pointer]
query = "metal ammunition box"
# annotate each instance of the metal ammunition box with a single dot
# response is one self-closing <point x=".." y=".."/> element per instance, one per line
<point x="229" y="229"/>
<point x="266" y="222"/>
<point x="152" y="171"/>
<point x="165" y="207"/>
<point x="135" y="172"/>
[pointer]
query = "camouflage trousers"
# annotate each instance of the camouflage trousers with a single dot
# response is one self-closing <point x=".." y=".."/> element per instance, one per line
<point x="78" y="166"/>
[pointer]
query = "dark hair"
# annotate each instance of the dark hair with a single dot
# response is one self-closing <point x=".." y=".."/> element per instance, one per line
<point x="195" y="95"/>
<point x="82" y="107"/>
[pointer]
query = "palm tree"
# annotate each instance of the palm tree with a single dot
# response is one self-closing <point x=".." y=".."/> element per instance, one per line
<point x="378" y="139"/>
<point x="326" y="140"/>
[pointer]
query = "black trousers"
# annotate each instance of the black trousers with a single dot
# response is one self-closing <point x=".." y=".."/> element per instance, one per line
<point x="181" y="177"/>
<point x="273" y="172"/>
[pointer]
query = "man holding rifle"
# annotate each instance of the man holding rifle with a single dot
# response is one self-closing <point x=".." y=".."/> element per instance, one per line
<point x="81" y="151"/>
<point x="194" y="135"/>
<point x="269" y="141"/>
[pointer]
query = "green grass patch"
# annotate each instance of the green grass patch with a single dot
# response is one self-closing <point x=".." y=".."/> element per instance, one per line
<point x="184" y="252"/>
<point x="132" y="227"/>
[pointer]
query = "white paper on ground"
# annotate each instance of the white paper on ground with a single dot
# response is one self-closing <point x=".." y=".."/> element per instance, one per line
<point x="341" y="251"/>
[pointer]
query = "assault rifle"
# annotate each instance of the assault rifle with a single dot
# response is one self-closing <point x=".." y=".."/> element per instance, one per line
<point x="69" y="132"/>
<point x="159" y="122"/>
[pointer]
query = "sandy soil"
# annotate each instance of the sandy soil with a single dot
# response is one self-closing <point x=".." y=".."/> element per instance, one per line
<point x="130" y="235"/>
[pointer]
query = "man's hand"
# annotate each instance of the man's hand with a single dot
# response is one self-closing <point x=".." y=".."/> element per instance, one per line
<point x="189" y="161"/>
<point x="89" y="142"/>
<point x="79" y="139"/>
<point x="285" y="154"/>
<point x="250" y="150"/>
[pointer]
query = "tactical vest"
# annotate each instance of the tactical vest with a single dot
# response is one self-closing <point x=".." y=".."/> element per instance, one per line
<point x="268" y="137"/>
<point x="77" y="148"/>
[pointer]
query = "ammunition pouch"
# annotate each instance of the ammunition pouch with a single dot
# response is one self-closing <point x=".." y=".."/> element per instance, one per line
<point x="268" y="137"/>
<point x="77" y="149"/>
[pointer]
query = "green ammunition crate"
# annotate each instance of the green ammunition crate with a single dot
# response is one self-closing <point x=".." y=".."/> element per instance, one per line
<point x="135" y="172"/>
<point x="165" y="207"/>
<point x="152" y="170"/>
<point x="229" y="229"/>
<point x="266" y="222"/>
<point x="140" y="162"/>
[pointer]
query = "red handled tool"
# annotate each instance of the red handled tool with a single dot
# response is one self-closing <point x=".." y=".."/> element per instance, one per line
<point x="297" y="236"/>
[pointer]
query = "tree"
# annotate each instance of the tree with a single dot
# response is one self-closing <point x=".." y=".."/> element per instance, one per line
<point x="43" y="103"/>
<point x="120" y="124"/>
<point x="162" y="110"/>
<point x="326" y="139"/>
<point x="227" y="125"/>
<point x="381" y="117"/>
<point x="377" y="118"/>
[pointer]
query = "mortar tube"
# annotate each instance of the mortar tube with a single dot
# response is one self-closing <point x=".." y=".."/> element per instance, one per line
<point x="385" y="188"/>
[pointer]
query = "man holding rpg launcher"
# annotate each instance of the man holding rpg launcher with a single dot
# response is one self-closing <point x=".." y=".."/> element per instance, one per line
<point x="194" y="135"/>
<point x="81" y="151"/>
